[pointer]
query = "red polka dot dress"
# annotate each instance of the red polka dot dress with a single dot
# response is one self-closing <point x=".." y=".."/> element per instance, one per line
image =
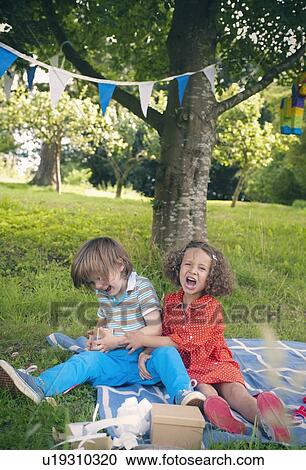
<point x="199" y="333"/>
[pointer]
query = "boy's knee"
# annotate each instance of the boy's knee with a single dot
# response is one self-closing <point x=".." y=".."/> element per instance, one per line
<point x="90" y="357"/>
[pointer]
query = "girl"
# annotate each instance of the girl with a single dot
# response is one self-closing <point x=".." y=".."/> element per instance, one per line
<point x="193" y="323"/>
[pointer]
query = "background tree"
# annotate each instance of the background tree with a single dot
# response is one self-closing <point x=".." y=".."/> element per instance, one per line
<point x="245" y="143"/>
<point x="284" y="179"/>
<point x="255" y="41"/>
<point x="143" y="177"/>
<point x="9" y="147"/>
<point x="126" y="141"/>
<point x="77" y="120"/>
<point x="222" y="181"/>
<point x="96" y="165"/>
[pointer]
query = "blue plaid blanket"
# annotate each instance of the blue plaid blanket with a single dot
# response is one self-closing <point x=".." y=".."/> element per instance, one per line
<point x="287" y="380"/>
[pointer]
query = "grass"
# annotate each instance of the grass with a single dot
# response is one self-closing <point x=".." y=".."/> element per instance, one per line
<point x="39" y="233"/>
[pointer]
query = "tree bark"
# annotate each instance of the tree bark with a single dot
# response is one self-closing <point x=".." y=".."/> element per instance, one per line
<point x="179" y="210"/>
<point x="119" y="188"/>
<point x="46" y="173"/>
<point x="238" y="190"/>
<point x="58" y="179"/>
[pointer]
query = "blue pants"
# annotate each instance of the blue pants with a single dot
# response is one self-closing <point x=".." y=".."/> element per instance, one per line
<point x="116" y="368"/>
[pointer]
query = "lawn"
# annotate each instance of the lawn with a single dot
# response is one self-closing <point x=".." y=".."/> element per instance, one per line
<point x="39" y="233"/>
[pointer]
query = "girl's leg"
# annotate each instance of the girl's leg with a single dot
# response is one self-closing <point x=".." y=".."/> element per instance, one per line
<point x="239" y="399"/>
<point x="217" y="410"/>
<point x="267" y="406"/>
<point x="207" y="390"/>
<point x="92" y="366"/>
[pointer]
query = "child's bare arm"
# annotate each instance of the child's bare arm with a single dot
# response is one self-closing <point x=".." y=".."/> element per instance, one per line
<point x="137" y="339"/>
<point x="153" y="324"/>
<point x="150" y="336"/>
<point x="157" y="341"/>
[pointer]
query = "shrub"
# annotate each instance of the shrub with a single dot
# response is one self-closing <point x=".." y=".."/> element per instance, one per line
<point x="78" y="177"/>
<point x="299" y="203"/>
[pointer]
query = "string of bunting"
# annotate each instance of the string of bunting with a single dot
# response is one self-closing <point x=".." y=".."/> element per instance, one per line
<point x="59" y="77"/>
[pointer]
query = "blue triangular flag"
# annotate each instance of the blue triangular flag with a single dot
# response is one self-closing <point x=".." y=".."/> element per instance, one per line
<point x="106" y="91"/>
<point x="31" y="73"/>
<point x="182" y="83"/>
<point x="6" y="60"/>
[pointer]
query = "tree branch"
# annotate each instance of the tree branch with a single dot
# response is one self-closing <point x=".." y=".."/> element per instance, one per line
<point x="263" y="83"/>
<point x="154" y="118"/>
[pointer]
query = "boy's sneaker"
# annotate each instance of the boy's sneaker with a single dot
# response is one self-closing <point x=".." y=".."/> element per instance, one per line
<point x="19" y="382"/>
<point x="272" y="416"/>
<point x="217" y="410"/>
<point x="190" y="398"/>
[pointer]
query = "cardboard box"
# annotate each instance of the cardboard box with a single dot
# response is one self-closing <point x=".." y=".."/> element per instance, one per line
<point x="176" y="426"/>
<point x="96" y="442"/>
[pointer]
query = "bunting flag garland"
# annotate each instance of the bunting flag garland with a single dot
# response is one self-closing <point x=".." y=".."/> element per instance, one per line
<point x="58" y="78"/>
<point x="31" y="74"/>
<point x="106" y="91"/>
<point x="209" y="72"/>
<point x="182" y="82"/>
<point x="145" y="91"/>
<point x="8" y="82"/>
<point x="6" y="60"/>
<point x="54" y="60"/>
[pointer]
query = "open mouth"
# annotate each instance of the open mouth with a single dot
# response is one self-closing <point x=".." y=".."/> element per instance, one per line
<point x="108" y="289"/>
<point x="191" y="282"/>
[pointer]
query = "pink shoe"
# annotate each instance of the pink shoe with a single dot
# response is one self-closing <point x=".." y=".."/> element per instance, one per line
<point x="219" y="413"/>
<point x="272" y="415"/>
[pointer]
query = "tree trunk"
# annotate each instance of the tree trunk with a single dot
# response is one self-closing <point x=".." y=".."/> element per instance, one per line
<point x="119" y="187"/>
<point x="179" y="211"/>
<point x="58" y="180"/>
<point x="46" y="173"/>
<point x="121" y="175"/>
<point x="118" y="176"/>
<point x="238" y="190"/>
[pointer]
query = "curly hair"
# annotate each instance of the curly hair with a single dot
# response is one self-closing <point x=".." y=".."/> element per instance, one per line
<point x="220" y="280"/>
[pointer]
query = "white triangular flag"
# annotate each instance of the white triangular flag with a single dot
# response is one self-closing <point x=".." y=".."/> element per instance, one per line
<point x="8" y="82"/>
<point x="54" y="60"/>
<point x="210" y="74"/>
<point x="145" y="91"/>
<point x="58" y="80"/>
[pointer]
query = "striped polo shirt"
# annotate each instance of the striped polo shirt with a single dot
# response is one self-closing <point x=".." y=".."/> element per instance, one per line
<point x="128" y="312"/>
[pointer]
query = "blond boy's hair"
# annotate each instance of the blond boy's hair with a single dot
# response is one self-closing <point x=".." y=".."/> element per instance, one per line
<point x="100" y="256"/>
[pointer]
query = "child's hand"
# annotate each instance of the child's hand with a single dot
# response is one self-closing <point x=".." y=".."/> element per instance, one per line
<point x="108" y="342"/>
<point x="95" y="334"/>
<point x="142" y="359"/>
<point x="134" y="340"/>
